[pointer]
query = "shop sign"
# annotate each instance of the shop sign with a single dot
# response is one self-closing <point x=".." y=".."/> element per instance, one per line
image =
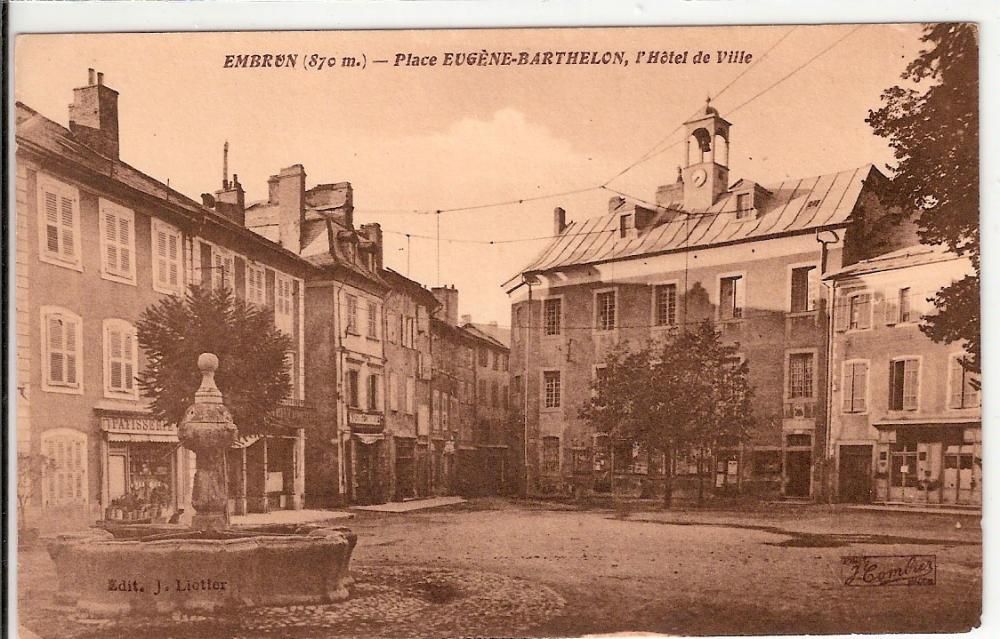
<point x="136" y="424"/>
<point x="365" y="419"/>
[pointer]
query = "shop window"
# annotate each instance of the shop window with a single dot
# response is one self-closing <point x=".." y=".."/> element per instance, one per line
<point x="803" y="293"/>
<point x="767" y="462"/>
<point x="121" y="355"/>
<point x="606" y="310"/>
<point x="64" y="476"/>
<point x="62" y="336"/>
<point x="800" y="375"/>
<point x="732" y="297"/>
<point x="855" y="387"/>
<point x="962" y="385"/>
<point x="552" y="313"/>
<point x="117" y="229"/>
<point x="665" y="305"/>
<point x="904" y="377"/>
<point x="798" y="439"/>
<point x="553" y="389"/>
<point x="59" y="223"/>
<point x="167" y="263"/>
<point x="550" y="455"/>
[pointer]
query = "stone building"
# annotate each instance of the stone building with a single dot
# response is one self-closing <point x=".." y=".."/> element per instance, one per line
<point x="492" y="464"/>
<point x="99" y="241"/>
<point x="746" y="256"/>
<point x="906" y="423"/>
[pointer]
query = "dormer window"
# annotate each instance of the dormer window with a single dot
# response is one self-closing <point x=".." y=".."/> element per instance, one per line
<point x="744" y="206"/>
<point x="626" y="225"/>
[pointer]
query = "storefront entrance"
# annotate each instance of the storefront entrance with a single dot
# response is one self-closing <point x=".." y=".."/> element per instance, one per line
<point x="930" y="464"/>
<point x="797" y="470"/>
<point x="141" y="480"/>
<point x="405" y="469"/>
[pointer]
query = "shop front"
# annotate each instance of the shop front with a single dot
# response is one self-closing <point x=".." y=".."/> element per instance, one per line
<point x="929" y="463"/>
<point x="145" y="471"/>
<point x="367" y="458"/>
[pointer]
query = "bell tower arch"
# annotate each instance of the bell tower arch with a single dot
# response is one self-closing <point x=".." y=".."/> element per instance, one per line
<point x="706" y="161"/>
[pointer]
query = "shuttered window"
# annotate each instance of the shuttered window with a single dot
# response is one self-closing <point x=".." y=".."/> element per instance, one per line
<point x="120" y="359"/>
<point x="168" y="276"/>
<point x="855" y="387"/>
<point x="223" y="269"/>
<point x="255" y="284"/>
<point x="410" y="386"/>
<point x="904" y="382"/>
<point x="62" y="333"/>
<point x="64" y="479"/>
<point x="117" y="228"/>
<point x="58" y="207"/>
<point x="859" y="311"/>
<point x="352" y="315"/>
<point x="804" y="285"/>
<point x="962" y="385"/>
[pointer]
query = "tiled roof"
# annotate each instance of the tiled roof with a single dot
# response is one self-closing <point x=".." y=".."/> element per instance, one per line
<point x="910" y="256"/>
<point x="793" y="206"/>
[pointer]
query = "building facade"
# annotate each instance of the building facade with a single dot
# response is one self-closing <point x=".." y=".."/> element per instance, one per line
<point x="98" y="242"/>
<point x="745" y="256"/>
<point x="906" y="419"/>
<point x="492" y="464"/>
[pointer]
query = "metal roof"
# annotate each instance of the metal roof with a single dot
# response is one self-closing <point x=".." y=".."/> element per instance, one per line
<point x="793" y="206"/>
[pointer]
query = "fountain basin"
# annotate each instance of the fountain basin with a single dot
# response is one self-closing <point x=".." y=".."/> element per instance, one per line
<point x="155" y="570"/>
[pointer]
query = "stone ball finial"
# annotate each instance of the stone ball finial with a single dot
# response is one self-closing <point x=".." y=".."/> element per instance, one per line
<point x="208" y="362"/>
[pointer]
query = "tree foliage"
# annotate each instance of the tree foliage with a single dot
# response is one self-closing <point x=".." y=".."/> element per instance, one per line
<point x="934" y="135"/>
<point x="252" y="374"/>
<point x="689" y="392"/>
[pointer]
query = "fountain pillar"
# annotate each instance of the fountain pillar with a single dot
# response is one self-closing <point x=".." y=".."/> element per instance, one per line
<point x="209" y="431"/>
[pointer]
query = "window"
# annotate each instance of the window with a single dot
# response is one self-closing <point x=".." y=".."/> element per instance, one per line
<point x="665" y="305"/>
<point x="373" y="392"/>
<point x="410" y="384"/>
<point x="167" y="265"/>
<point x="445" y="408"/>
<point x="605" y="302"/>
<point x="121" y="356"/>
<point x="731" y="297"/>
<point x="600" y="381"/>
<point x="483" y="357"/>
<point x="505" y="362"/>
<point x="553" y="389"/>
<point x="800" y="376"/>
<point x="223" y="271"/>
<point x="552" y="315"/>
<point x="859" y="311"/>
<point x="550" y="455"/>
<point x="811" y="204"/>
<point x="255" y="285"/>
<point x="62" y="334"/>
<point x="962" y="385"/>
<point x="353" y="398"/>
<point x="393" y="393"/>
<point x="496" y="360"/>
<point x="626" y="225"/>
<point x="352" y="314"/>
<point x="905" y="308"/>
<point x="742" y="205"/>
<point x="372" y="320"/>
<point x="117" y="228"/>
<point x="803" y="292"/>
<point x="495" y="395"/>
<point x="407" y="328"/>
<point x="855" y="387"/>
<point x="59" y="223"/>
<point x="436" y="409"/>
<point x="482" y="391"/>
<point x="904" y="378"/>
<point x="64" y="480"/>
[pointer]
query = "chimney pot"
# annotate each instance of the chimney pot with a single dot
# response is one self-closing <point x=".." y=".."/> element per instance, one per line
<point x="100" y="78"/>
<point x="90" y="77"/>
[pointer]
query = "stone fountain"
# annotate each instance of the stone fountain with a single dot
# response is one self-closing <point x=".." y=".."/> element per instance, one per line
<point x="212" y="566"/>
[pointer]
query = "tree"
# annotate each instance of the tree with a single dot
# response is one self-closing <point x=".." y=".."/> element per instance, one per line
<point x="30" y="469"/>
<point x="934" y="135"/>
<point x="687" y="393"/>
<point x="253" y="375"/>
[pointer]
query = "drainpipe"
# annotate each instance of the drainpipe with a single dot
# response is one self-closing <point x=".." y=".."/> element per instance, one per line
<point x="825" y="238"/>
<point x="527" y="355"/>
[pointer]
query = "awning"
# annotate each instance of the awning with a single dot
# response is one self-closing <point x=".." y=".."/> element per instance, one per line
<point x="944" y="422"/>
<point x="369" y="438"/>
<point x="245" y="441"/>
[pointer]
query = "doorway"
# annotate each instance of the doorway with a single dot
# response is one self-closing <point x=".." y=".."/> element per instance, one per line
<point x="855" y="474"/>
<point x="797" y="470"/>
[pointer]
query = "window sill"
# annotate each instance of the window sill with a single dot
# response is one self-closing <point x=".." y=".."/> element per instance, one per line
<point x="121" y="395"/>
<point x="75" y="265"/>
<point x="810" y="313"/>
<point x="120" y="279"/>
<point x="166" y="290"/>
<point x="62" y="390"/>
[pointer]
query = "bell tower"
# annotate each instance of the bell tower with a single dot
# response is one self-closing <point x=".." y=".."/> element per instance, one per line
<point x="706" y="162"/>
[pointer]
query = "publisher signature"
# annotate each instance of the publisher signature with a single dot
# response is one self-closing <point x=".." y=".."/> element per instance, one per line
<point x="889" y="570"/>
<point x="169" y="585"/>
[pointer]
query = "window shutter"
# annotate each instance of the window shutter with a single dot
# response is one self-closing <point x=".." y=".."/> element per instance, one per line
<point x="125" y="242"/>
<point x="115" y="359"/>
<point x="860" y="386"/>
<point x="910" y="381"/>
<point x="162" y="257"/>
<point x="842" y="314"/>
<point x="174" y="259"/>
<point x="813" y="289"/>
<point x="56" y="361"/>
<point x="69" y="326"/>
<point x="891" y="310"/>
<point x="847" y="388"/>
<point x="69" y="246"/>
<point x="110" y="243"/>
<point x="957" y="383"/>
<point x="128" y="354"/>
<point x="867" y="309"/>
<point x="51" y="222"/>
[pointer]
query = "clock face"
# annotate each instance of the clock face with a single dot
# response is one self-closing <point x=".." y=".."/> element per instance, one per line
<point x="699" y="177"/>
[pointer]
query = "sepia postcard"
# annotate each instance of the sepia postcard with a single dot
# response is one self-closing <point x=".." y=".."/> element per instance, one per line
<point x="543" y="332"/>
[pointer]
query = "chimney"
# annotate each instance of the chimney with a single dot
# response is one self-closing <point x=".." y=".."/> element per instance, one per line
<point x="93" y="116"/>
<point x="288" y="189"/>
<point x="466" y="319"/>
<point x="615" y="202"/>
<point x="230" y="200"/>
<point x="336" y="200"/>
<point x="671" y="195"/>
<point x="373" y="232"/>
<point x="447" y="296"/>
<point x="558" y="220"/>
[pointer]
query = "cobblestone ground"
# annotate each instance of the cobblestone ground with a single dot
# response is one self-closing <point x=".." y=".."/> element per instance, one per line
<point x="386" y="601"/>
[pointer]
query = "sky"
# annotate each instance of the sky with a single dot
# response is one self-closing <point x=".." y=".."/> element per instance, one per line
<point x="439" y="137"/>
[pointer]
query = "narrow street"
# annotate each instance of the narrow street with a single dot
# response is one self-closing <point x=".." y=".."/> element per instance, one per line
<point x="492" y="567"/>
